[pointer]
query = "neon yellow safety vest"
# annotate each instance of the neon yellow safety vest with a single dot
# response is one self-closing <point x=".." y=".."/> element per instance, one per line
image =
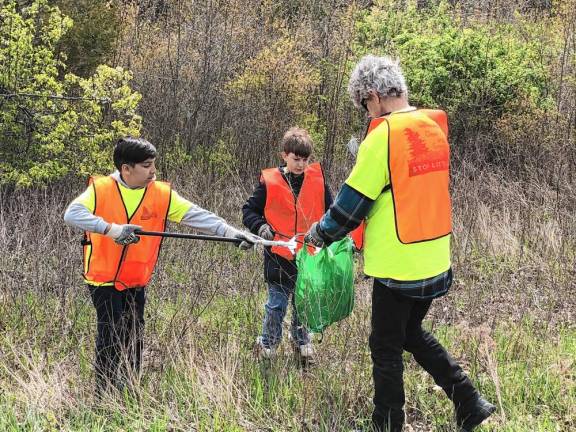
<point x="385" y="255"/>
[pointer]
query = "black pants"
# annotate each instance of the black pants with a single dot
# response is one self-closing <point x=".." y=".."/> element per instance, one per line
<point x="120" y="326"/>
<point x="397" y="326"/>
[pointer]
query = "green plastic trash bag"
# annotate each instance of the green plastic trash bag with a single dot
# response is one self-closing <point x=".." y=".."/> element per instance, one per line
<point x="324" y="292"/>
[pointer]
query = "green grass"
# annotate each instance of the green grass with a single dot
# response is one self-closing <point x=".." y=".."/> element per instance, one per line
<point x="200" y="373"/>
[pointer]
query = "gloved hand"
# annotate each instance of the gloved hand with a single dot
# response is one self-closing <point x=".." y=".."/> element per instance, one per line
<point x="266" y="232"/>
<point x="123" y="234"/>
<point x="353" y="145"/>
<point x="313" y="236"/>
<point x="248" y="238"/>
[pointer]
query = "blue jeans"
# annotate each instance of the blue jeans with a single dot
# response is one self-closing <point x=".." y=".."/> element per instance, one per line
<point x="274" y="313"/>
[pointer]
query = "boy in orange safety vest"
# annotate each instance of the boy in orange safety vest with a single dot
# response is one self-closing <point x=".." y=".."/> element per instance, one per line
<point x="117" y="263"/>
<point x="286" y="202"/>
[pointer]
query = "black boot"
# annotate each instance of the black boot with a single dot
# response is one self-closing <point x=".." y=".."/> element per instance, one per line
<point x="393" y="422"/>
<point x="470" y="416"/>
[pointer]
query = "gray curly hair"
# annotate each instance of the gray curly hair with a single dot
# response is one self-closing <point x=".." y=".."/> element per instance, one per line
<point x="382" y="74"/>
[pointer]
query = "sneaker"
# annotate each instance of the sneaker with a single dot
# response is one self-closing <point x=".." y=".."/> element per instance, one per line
<point x="263" y="352"/>
<point x="307" y="351"/>
<point x="480" y="411"/>
<point x="305" y="354"/>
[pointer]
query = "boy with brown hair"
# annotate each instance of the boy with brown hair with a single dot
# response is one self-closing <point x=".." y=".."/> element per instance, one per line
<point x="286" y="202"/>
<point x="118" y="264"/>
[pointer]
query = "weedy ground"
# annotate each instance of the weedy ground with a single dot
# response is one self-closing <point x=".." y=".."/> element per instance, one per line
<point x="509" y="320"/>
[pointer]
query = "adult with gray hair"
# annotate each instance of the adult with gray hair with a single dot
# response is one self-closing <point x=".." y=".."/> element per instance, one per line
<point x="400" y="187"/>
<point x="380" y="74"/>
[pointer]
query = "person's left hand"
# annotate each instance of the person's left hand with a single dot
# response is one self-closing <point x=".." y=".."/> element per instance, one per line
<point x="266" y="232"/>
<point x="313" y="237"/>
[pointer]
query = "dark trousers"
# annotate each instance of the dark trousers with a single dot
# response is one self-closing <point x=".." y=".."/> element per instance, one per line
<point x="397" y="326"/>
<point x="119" y="341"/>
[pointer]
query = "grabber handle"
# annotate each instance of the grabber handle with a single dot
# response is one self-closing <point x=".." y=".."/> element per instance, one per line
<point x="189" y="236"/>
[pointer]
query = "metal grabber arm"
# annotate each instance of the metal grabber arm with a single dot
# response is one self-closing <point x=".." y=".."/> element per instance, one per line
<point x="189" y="236"/>
<point x="290" y="244"/>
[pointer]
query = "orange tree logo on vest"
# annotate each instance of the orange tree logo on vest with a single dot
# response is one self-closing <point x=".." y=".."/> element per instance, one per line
<point x="422" y="159"/>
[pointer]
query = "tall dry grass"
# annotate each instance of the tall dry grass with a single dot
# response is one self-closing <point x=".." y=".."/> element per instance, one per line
<point x="509" y="318"/>
<point x="513" y="254"/>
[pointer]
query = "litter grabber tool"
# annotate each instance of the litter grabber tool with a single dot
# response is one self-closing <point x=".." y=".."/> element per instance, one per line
<point x="189" y="236"/>
<point x="291" y="244"/>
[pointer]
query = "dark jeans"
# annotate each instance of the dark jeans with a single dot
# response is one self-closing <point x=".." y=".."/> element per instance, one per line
<point x="397" y="326"/>
<point x="120" y="326"/>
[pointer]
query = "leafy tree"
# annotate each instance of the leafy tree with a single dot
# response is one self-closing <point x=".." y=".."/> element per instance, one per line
<point x="277" y="85"/>
<point x="94" y="35"/>
<point x="279" y="70"/>
<point x="476" y="71"/>
<point x="54" y="124"/>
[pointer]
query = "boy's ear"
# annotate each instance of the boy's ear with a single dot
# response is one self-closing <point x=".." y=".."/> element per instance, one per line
<point x="283" y="154"/>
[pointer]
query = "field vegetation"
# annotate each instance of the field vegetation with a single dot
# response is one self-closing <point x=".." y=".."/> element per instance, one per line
<point x="214" y="84"/>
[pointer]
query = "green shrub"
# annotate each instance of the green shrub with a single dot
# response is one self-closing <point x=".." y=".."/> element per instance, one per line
<point x="54" y="124"/>
<point x="471" y="69"/>
<point x="93" y="38"/>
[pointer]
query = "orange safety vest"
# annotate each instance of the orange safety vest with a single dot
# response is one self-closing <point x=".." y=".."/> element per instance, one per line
<point x="419" y="163"/>
<point x="357" y="235"/>
<point x="287" y="216"/>
<point x="132" y="265"/>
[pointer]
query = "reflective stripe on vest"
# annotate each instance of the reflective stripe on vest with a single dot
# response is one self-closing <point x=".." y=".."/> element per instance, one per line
<point x="287" y="216"/>
<point x="132" y="265"/>
<point x="419" y="162"/>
